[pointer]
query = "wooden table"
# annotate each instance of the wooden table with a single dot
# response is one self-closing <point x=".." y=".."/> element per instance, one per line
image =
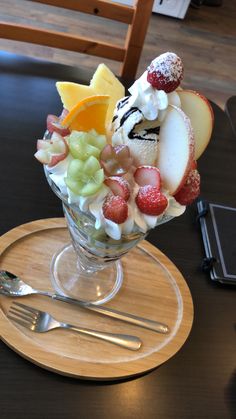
<point x="200" y="380"/>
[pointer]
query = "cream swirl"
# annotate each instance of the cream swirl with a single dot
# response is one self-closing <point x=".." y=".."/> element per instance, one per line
<point x="146" y="98"/>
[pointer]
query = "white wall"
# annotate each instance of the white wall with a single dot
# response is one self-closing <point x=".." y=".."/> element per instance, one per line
<point x="174" y="8"/>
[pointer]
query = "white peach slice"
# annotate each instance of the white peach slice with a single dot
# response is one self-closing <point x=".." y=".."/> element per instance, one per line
<point x="200" y="113"/>
<point x="176" y="149"/>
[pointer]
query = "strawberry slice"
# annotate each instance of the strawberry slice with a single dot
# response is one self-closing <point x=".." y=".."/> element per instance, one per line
<point x="148" y="175"/>
<point x="150" y="200"/>
<point x="115" y="208"/>
<point x="165" y="72"/>
<point x="119" y="186"/>
<point x="191" y="189"/>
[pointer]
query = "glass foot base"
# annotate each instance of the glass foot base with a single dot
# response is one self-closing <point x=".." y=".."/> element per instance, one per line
<point x="68" y="279"/>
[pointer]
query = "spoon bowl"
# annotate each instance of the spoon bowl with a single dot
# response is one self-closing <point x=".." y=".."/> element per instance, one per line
<point x="12" y="285"/>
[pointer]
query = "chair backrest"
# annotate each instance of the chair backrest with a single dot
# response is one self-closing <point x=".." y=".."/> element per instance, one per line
<point x="136" y="17"/>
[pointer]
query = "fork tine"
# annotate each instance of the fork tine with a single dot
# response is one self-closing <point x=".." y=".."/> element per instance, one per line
<point x="22" y="314"/>
<point x="21" y="322"/>
<point x="27" y="308"/>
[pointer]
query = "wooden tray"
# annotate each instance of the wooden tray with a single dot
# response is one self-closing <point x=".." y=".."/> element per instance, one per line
<point x="153" y="287"/>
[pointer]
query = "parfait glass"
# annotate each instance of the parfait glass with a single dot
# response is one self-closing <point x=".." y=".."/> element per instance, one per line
<point x="89" y="268"/>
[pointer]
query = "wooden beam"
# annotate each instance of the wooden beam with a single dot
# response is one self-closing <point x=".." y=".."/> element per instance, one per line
<point x="102" y="8"/>
<point x="60" y="40"/>
<point x="135" y="37"/>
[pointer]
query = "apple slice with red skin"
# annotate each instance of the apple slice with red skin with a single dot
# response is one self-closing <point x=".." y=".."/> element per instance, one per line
<point x="201" y="115"/>
<point x="52" y="151"/>
<point x="176" y="149"/>
<point x="54" y="123"/>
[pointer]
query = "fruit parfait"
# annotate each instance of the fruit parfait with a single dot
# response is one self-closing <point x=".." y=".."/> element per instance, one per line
<point x="121" y="166"/>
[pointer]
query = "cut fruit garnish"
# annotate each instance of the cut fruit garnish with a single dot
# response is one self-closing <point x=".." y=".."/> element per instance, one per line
<point x="151" y="201"/>
<point x="119" y="186"/>
<point x="148" y="175"/>
<point x="89" y="113"/>
<point x="115" y="209"/>
<point x="85" y="144"/>
<point x="190" y="190"/>
<point x="84" y="177"/>
<point x="54" y="125"/>
<point x="72" y="93"/>
<point x="116" y="161"/>
<point x="176" y="149"/>
<point x="52" y="151"/>
<point x="104" y="82"/>
<point x="165" y="72"/>
<point x="201" y="115"/>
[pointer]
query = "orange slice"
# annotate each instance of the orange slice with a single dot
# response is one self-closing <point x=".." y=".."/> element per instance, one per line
<point x="89" y="113"/>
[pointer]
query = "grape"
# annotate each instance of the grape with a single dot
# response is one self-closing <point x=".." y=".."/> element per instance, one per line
<point x="53" y="125"/>
<point x="116" y="161"/>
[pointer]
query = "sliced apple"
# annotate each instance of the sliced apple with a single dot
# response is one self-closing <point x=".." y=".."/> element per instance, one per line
<point x="200" y="112"/>
<point x="54" y="125"/>
<point x="176" y="149"/>
<point x="52" y="151"/>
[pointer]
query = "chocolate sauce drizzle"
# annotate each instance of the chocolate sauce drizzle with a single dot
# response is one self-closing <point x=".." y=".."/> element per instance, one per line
<point x="132" y="134"/>
<point x="122" y="102"/>
<point x="127" y="115"/>
<point x="135" y="136"/>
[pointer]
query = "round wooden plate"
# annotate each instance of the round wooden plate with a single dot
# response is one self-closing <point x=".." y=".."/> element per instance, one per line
<point x="153" y="288"/>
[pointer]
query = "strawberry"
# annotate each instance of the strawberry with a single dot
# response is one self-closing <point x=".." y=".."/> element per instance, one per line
<point x="115" y="208"/>
<point x="119" y="186"/>
<point x="191" y="189"/>
<point x="165" y="72"/>
<point x="147" y="175"/>
<point x="151" y="201"/>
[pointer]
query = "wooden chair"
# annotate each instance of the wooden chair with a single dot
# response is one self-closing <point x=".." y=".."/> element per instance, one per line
<point x="136" y="17"/>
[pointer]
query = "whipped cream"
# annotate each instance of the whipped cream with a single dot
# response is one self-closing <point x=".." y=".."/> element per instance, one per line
<point x="58" y="173"/>
<point x="136" y="221"/>
<point x="146" y="98"/>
